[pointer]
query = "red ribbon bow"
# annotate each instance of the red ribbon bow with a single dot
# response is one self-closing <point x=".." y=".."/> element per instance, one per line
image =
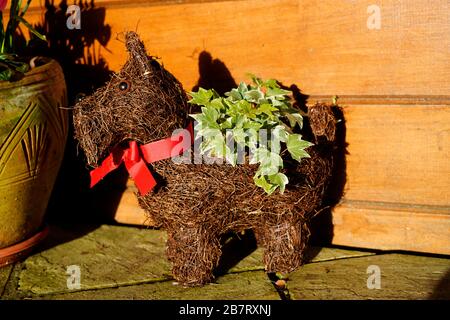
<point x="136" y="158"/>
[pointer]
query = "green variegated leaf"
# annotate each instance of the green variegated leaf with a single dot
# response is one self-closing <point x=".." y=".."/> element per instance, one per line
<point x="267" y="109"/>
<point x="277" y="92"/>
<point x="239" y="135"/>
<point x="227" y="124"/>
<point x="213" y="143"/>
<point x="242" y="88"/>
<point x="252" y="125"/>
<point x="209" y="133"/>
<point x="279" y="179"/>
<point x="275" y="102"/>
<point x="267" y="169"/>
<point x="296" y="146"/>
<point x="295" y="118"/>
<point x="217" y="103"/>
<point x="254" y="95"/>
<point x="271" y="83"/>
<point x="234" y="95"/>
<point x="201" y="97"/>
<point x="279" y="132"/>
<point x="270" y="162"/>
<point x="262" y="182"/>
<point x="240" y="120"/>
<point x="230" y="156"/>
<point x="211" y="116"/>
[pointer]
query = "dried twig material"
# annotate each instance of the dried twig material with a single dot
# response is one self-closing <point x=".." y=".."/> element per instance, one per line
<point x="142" y="102"/>
<point x="198" y="203"/>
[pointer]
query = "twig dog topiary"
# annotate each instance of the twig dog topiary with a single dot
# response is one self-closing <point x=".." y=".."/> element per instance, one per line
<point x="198" y="203"/>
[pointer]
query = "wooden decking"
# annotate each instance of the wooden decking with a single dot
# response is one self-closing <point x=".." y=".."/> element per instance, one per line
<point x="118" y="262"/>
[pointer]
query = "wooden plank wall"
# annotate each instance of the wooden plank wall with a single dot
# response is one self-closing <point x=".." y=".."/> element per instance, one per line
<point x="393" y="82"/>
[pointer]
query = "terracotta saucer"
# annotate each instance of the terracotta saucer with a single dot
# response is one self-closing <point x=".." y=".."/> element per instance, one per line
<point x="20" y="250"/>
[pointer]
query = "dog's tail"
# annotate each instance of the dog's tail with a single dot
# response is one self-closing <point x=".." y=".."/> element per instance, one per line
<point x="323" y="121"/>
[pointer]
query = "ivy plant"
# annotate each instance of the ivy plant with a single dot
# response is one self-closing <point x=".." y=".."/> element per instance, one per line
<point x="241" y="116"/>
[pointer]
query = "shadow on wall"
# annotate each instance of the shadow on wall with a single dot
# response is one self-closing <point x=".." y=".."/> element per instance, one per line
<point x="322" y="225"/>
<point x="79" y="52"/>
<point x="442" y="290"/>
<point x="214" y="74"/>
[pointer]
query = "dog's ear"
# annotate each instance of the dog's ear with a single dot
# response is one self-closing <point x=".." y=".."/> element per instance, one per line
<point x="138" y="54"/>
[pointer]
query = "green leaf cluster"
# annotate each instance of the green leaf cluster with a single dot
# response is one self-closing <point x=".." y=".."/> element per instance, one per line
<point x="240" y="117"/>
<point x="10" y="66"/>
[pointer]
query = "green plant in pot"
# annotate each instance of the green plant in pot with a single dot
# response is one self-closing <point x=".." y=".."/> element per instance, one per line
<point x="33" y="132"/>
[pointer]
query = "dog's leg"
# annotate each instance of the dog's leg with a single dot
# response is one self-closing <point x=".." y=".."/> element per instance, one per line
<point x="194" y="253"/>
<point x="284" y="245"/>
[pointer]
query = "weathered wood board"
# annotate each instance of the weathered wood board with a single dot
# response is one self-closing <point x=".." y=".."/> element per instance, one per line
<point x="402" y="277"/>
<point x="324" y="47"/>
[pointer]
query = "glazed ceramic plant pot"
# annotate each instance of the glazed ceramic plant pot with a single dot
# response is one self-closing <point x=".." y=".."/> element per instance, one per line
<point x="33" y="132"/>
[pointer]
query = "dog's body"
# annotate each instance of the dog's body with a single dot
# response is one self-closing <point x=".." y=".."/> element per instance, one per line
<point x="198" y="203"/>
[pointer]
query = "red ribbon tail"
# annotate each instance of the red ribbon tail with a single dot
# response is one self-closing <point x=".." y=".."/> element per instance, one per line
<point x="141" y="175"/>
<point x="100" y="172"/>
<point x="96" y="176"/>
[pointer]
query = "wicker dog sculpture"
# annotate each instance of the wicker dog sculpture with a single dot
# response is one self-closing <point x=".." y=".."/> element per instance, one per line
<point x="197" y="204"/>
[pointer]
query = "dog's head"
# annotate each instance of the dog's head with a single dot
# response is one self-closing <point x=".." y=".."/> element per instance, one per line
<point x="141" y="102"/>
